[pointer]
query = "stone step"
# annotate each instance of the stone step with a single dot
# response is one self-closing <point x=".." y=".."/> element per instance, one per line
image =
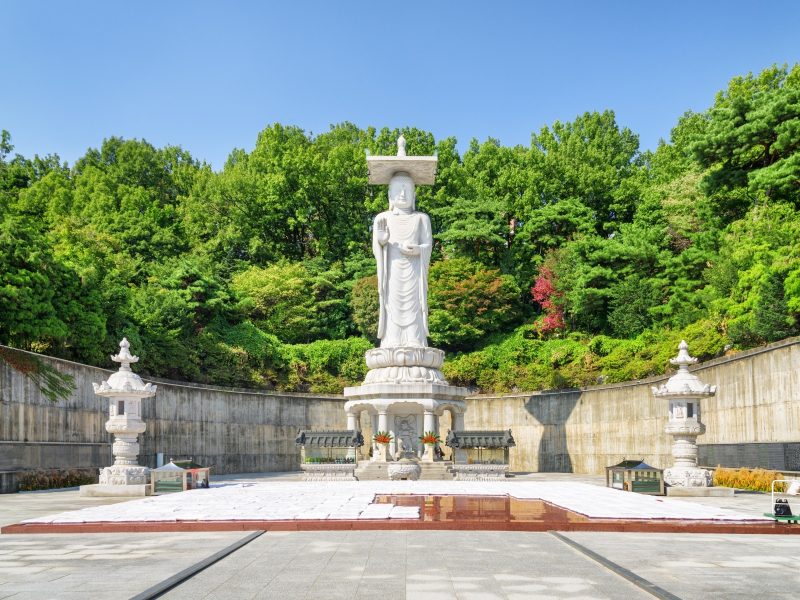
<point x="429" y="471"/>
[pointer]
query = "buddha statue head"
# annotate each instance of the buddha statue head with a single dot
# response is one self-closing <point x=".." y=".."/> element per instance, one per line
<point x="402" y="193"/>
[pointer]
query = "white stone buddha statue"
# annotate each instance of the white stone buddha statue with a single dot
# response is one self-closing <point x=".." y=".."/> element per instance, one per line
<point x="401" y="242"/>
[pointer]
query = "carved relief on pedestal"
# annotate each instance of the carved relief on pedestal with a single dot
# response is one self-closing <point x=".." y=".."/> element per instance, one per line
<point x="404" y="375"/>
<point x="406" y="433"/>
<point x="687" y="477"/>
<point x="123" y="475"/>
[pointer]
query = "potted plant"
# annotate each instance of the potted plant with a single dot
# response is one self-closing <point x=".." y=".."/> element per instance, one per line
<point x="383" y="439"/>
<point x="430" y="439"/>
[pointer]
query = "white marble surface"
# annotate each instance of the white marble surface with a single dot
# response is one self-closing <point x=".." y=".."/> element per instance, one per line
<point x="354" y="500"/>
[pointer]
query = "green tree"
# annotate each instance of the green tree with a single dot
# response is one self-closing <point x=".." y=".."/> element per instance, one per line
<point x="26" y="290"/>
<point x="772" y="320"/>
<point x="753" y="136"/>
<point x="365" y="306"/>
<point x="469" y="302"/>
<point x="132" y="190"/>
<point x="757" y="255"/>
<point x="588" y="160"/>
<point x="171" y="309"/>
<point x="279" y="299"/>
<point x="630" y="303"/>
<point x="478" y="222"/>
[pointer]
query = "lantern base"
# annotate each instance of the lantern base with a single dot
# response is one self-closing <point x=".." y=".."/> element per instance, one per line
<point x="124" y="475"/>
<point x="99" y="490"/>
<point x="687" y="477"/>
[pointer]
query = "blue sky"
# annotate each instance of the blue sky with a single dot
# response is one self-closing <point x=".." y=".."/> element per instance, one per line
<point x="209" y="76"/>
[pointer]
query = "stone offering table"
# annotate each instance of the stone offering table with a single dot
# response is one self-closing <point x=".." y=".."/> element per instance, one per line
<point x="480" y="455"/>
<point x="329" y="455"/>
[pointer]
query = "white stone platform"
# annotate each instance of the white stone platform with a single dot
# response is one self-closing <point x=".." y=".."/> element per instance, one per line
<point x="355" y="500"/>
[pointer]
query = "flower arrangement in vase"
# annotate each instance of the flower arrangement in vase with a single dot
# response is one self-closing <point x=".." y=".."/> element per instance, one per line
<point x="382" y="437"/>
<point x="430" y="438"/>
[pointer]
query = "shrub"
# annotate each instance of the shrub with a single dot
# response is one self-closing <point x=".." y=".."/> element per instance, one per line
<point x="326" y="366"/>
<point x="759" y="480"/>
<point x="239" y="355"/>
<point x="49" y="479"/>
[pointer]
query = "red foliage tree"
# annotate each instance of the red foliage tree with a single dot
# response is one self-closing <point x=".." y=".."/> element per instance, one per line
<point x="546" y="295"/>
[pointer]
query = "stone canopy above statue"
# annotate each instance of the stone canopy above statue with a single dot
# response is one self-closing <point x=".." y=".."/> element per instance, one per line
<point x="421" y="169"/>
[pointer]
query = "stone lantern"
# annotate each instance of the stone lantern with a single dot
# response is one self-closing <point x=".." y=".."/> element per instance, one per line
<point x="684" y="391"/>
<point x="124" y="390"/>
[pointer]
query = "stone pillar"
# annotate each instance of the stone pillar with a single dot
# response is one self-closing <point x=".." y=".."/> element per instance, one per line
<point x="429" y="422"/>
<point x="374" y="419"/>
<point x="352" y="425"/>
<point x="458" y="422"/>
<point x="383" y="421"/>
<point x="459" y="454"/>
<point x="383" y="425"/>
<point x="352" y="422"/>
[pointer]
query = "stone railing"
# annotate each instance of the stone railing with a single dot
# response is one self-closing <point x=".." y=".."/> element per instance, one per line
<point x="480" y="472"/>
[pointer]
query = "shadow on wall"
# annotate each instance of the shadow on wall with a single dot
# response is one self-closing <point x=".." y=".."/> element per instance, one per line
<point x="552" y="410"/>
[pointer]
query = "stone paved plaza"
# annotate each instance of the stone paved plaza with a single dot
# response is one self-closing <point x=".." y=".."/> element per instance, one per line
<point x="395" y="564"/>
<point x="355" y="500"/>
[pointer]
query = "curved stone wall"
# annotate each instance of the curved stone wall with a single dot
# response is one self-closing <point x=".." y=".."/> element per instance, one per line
<point x="236" y="431"/>
<point x="585" y="430"/>
<point x="233" y="430"/>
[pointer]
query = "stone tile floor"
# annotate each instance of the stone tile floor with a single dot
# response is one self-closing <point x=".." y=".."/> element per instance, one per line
<point x="397" y="564"/>
<point x="98" y="566"/>
<point x="468" y="565"/>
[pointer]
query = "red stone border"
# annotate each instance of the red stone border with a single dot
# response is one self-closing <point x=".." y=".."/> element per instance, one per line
<point x="638" y="526"/>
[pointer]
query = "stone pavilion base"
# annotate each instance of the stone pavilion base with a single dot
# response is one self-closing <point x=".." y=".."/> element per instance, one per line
<point x="480" y="472"/>
<point x="700" y="492"/>
<point x="328" y="472"/>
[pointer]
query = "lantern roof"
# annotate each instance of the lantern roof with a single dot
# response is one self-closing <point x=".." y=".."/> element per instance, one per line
<point x="633" y="465"/>
<point x="124" y="382"/>
<point x="684" y="384"/>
